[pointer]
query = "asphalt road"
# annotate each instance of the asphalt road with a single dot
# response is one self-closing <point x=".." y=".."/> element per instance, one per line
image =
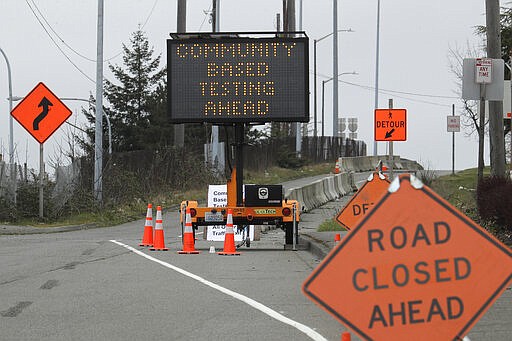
<point x="98" y="284"/>
<point x="90" y="285"/>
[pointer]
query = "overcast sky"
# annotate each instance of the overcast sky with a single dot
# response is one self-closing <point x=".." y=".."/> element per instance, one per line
<point x="415" y="40"/>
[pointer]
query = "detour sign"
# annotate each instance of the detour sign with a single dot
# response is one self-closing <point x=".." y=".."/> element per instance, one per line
<point x="414" y="268"/>
<point x="363" y="200"/>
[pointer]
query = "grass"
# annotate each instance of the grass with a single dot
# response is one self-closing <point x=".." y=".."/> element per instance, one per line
<point x="137" y="210"/>
<point x="330" y="225"/>
<point x="460" y="190"/>
<point x="277" y="175"/>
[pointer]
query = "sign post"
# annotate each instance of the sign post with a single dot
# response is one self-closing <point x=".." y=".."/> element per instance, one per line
<point x="41" y="113"/>
<point x="414" y="268"/>
<point x="453" y="126"/>
<point x="390" y="125"/>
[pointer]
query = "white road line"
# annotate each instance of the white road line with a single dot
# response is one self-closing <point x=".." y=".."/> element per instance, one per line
<point x="255" y="304"/>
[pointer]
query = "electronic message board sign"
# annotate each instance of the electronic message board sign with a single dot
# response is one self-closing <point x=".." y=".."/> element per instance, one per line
<point x="238" y="79"/>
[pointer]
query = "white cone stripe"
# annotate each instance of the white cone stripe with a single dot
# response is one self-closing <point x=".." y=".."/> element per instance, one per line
<point x="314" y="335"/>
<point x="229" y="223"/>
<point x="159" y="225"/>
<point x="188" y="224"/>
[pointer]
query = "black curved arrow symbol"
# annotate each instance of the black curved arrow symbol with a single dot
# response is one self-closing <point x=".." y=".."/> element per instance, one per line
<point x="45" y="103"/>
<point x="389" y="133"/>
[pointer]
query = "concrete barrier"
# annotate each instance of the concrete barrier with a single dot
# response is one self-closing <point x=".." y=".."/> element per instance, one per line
<point x="317" y="193"/>
<point x="333" y="186"/>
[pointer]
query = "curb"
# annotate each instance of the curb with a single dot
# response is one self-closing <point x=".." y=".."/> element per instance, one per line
<point x="23" y="230"/>
<point x="314" y="246"/>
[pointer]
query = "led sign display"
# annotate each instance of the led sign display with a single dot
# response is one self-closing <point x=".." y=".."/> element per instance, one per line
<point x="221" y="80"/>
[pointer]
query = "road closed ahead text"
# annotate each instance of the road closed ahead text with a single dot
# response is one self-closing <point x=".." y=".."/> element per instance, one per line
<point x="419" y="273"/>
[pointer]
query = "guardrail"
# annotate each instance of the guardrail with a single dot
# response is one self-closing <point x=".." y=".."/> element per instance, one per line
<point x="335" y="186"/>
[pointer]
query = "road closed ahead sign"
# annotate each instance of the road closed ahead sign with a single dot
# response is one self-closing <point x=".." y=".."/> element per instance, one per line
<point x="414" y="268"/>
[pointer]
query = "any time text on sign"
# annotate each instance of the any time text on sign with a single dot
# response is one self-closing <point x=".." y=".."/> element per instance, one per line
<point x="231" y="79"/>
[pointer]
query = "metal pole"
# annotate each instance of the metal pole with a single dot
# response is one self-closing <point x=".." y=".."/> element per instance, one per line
<point x="481" y="130"/>
<point x="294" y="210"/>
<point x="335" y="69"/>
<point x="11" y="137"/>
<point x="98" y="136"/>
<point x="215" y="162"/>
<point x="323" y="107"/>
<point x="239" y="141"/>
<point x="453" y="143"/>
<point x="41" y="176"/>
<point x="391" y="161"/>
<point x="375" y="146"/>
<point x="298" y="136"/>
<point x="179" y="129"/>
<point x="315" y="132"/>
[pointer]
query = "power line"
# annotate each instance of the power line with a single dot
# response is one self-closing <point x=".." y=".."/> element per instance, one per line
<point x="150" y="14"/>
<point x="395" y="92"/>
<point x="69" y="46"/>
<point x="58" y="36"/>
<point x="57" y="45"/>
<point x="206" y="14"/>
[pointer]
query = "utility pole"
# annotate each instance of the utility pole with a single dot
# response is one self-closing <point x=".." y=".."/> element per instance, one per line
<point x="179" y="129"/>
<point x="335" y="69"/>
<point x="377" y="48"/>
<point x="496" y="136"/>
<point x="217" y="164"/>
<point x="300" y="132"/>
<point x="98" y="134"/>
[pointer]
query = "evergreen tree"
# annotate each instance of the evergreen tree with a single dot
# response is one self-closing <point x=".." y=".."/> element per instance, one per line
<point x="139" y="91"/>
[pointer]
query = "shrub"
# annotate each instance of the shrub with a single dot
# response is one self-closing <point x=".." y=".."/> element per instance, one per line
<point x="494" y="201"/>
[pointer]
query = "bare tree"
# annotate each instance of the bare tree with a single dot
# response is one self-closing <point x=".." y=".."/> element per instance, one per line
<point x="471" y="120"/>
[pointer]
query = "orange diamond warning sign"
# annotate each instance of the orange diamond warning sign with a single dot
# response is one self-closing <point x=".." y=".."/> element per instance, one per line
<point x="414" y="268"/>
<point x="41" y="113"/>
<point x="361" y="203"/>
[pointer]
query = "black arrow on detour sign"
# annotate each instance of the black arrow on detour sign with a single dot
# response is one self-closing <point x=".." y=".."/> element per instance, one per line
<point x="45" y="103"/>
<point x="389" y="133"/>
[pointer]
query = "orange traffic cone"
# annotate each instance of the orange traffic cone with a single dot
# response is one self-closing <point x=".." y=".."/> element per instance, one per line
<point x="229" y="237"/>
<point x="188" y="236"/>
<point x="159" y="244"/>
<point x="337" y="167"/>
<point x="345" y="336"/>
<point x="337" y="238"/>
<point x="147" y="237"/>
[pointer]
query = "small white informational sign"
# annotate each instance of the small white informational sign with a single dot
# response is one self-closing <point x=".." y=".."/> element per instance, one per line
<point x="483" y="69"/>
<point x="218" y="197"/>
<point x="453" y="124"/>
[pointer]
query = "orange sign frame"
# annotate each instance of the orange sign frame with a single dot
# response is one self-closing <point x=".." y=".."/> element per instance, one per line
<point x="414" y="268"/>
<point x="390" y="125"/>
<point x="363" y="201"/>
<point x="41" y="113"/>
